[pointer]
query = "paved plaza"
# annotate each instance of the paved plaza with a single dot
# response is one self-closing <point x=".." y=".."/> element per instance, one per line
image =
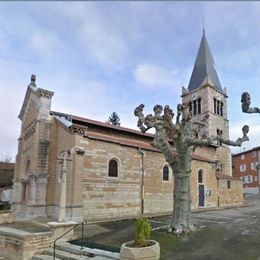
<point x="232" y="233"/>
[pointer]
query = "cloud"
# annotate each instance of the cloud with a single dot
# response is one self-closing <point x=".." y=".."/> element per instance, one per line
<point x="105" y="46"/>
<point x="45" y="42"/>
<point x="154" y="76"/>
<point x="99" y="32"/>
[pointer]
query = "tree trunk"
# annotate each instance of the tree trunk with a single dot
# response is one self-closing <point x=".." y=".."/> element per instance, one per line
<point x="182" y="203"/>
<point x="181" y="219"/>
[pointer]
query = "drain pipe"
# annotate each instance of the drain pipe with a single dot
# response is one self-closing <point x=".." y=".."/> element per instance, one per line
<point x="142" y="179"/>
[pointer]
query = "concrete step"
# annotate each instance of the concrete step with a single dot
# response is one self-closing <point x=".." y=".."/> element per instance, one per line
<point x="44" y="257"/>
<point x="90" y="252"/>
<point x="64" y="255"/>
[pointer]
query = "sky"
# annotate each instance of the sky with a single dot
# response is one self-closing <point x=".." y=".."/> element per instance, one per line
<point x="101" y="57"/>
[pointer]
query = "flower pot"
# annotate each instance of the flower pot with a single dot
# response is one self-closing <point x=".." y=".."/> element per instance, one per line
<point x="128" y="252"/>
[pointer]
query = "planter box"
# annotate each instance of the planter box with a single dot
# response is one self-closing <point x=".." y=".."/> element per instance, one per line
<point x="127" y="252"/>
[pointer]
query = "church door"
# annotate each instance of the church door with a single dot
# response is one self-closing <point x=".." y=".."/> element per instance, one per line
<point x="201" y="195"/>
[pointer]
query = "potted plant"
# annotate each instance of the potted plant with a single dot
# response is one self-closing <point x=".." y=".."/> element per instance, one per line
<point x="142" y="247"/>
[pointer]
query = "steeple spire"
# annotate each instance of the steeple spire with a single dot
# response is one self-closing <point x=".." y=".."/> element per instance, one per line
<point x="203" y="26"/>
<point x="204" y="69"/>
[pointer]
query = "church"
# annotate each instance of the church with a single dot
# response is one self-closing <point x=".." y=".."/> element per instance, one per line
<point x="75" y="168"/>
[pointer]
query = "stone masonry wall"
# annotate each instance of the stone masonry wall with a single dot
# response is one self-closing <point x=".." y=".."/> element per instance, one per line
<point x="110" y="197"/>
<point x="158" y="194"/>
<point x="60" y="140"/>
<point x="227" y="196"/>
<point x="209" y="182"/>
<point x="21" y="245"/>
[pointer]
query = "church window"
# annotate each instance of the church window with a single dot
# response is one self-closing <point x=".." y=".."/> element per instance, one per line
<point x="113" y="168"/>
<point x="215" y="106"/>
<point x="190" y="107"/>
<point x="195" y="107"/>
<point x="218" y="107"/>
<point x="200" y="176"/>
<point x="221" y="108"/>
<point x="165" y="173"/>
<point x="229" y="184"/>
<point x="199" y="106"/>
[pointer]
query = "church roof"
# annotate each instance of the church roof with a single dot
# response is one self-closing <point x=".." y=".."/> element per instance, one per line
<point x="204" y="68"/>
<point x="144" y="141"/>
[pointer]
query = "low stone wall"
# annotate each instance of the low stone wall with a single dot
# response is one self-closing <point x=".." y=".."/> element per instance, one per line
<point x="21" y="245"/>
<point x="17" y="244"/>
<point x="6" y="217"/>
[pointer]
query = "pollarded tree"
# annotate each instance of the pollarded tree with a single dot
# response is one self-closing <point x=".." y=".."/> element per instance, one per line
<point x="114" y="119"/>
<point x="177" y="142"/>
<point x="246" y="102"/>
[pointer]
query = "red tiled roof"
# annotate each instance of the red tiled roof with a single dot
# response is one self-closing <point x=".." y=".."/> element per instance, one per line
<point x="122" y="141"/>
<point x="119" y="140"/>
<point x="105" y="125"/>
<point x="7" y="166"/>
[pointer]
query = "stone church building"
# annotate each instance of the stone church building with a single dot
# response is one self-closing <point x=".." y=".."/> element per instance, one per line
<point x="74" y="168"/>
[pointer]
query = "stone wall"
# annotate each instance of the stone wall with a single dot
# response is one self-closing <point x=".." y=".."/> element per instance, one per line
<point x="21" y="245"/>
<point x="158" y="194"/>
<point x="62" y="141"/>
<point x="232" y="195"/>
<point x="209" y="182"/>
<point x="109" y="197"/>
<point x="6" y="217"/>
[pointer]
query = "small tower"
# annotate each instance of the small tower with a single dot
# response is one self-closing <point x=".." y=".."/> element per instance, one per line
<point x="206" y="98"/>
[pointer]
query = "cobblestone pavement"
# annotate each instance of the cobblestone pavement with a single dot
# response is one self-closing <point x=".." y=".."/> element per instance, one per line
<point x="232" y="233"/>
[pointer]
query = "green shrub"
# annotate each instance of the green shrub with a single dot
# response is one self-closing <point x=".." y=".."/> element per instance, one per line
<point x="142" y="233"/>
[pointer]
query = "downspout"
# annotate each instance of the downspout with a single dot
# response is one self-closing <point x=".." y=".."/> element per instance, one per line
<point x="142" y="179"/>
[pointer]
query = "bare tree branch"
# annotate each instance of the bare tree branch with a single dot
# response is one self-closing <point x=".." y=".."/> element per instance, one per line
<point x="246" y="102"/>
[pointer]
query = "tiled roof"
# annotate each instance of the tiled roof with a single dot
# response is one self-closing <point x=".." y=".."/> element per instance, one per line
<point x="101" y="124"/>
<point x="257" y="148"/>
<point x="145" y="144"/>
<point x="122" y="141"/>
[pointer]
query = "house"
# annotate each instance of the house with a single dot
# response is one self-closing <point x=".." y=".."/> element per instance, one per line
<point x="74" y="168"/>
<point x="245" y="166"/>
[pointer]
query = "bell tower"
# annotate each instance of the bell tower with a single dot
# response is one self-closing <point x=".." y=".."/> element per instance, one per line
<point x="207" y="100"/>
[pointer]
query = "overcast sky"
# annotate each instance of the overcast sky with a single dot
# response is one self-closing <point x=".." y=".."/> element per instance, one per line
<point x="100" y="57"/>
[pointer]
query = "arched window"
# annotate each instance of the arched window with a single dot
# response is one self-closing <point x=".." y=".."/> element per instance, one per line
<point x="215" y="106"/>
<point x="221" y="108"/>
<point x="113" y="168"/>
<point x="194" y="107"/>
<point x="200" y="176"/>
<point x="199" y="106"/>
<point x="165" y="173"/>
